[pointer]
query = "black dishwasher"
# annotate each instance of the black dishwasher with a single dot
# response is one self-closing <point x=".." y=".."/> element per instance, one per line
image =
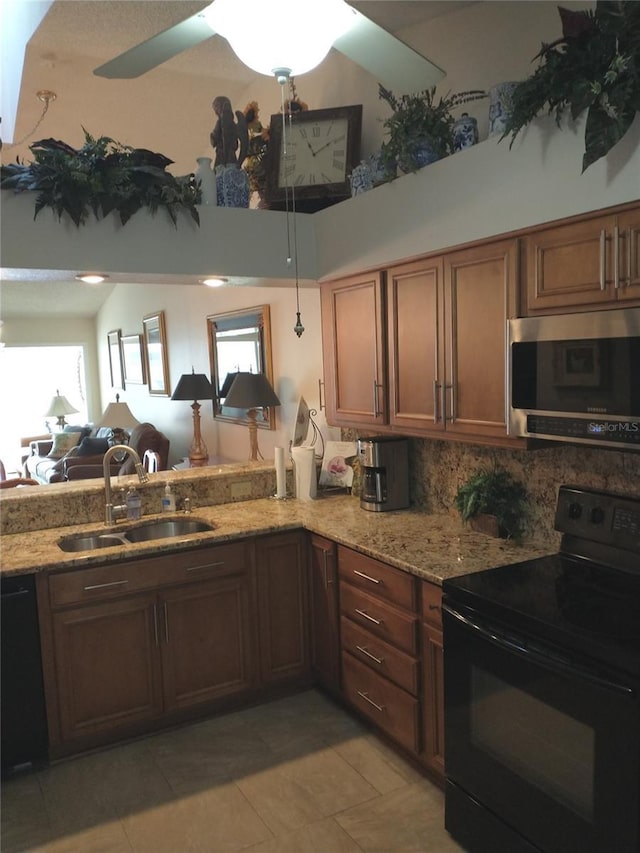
<point x="23" y="717"/>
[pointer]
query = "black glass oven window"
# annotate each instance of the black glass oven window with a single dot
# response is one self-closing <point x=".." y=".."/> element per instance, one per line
<point x="598" y="376"/>
<point x="542" y="745"/>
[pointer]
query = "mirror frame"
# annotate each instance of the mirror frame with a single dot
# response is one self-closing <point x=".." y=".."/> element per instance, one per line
<point x="153" y="324"/>
<point x="261" y="316"/>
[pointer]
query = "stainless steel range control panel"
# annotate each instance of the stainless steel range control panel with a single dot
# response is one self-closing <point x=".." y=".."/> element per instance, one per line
<point x="600" y="517"/>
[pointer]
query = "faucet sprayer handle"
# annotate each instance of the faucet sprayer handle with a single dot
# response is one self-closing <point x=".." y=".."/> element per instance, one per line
<point x="142" y="474"/>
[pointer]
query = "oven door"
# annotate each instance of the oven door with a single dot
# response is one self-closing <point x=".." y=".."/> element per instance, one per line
<point x="542" y="746"/>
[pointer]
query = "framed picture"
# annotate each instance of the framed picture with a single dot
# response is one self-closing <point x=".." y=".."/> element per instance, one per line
<point x="115" y="359"/>
<point x="133" y="359"/>
<point x="578" y="364"/>
<point x="155" y="350"/>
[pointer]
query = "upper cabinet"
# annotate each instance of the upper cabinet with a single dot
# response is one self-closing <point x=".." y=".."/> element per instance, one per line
<point x="421" y="348"/>
<point x="585" y="265"/>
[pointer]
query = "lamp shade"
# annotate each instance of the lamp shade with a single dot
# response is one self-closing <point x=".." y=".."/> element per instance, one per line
<point x="59" y="407"/>
<point x="251" y="391"/>
<point x="118" y="416"/>
<point x="226" y="385"/>
<point x="193" y="386"/>
<point x="295" y="35"/>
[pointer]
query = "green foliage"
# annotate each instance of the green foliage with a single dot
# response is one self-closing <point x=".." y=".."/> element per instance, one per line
<point x="418" y="117"/>
<point x="494" y="492"/>
<point x="594" y="66"/>
<point x="102" y="176"/>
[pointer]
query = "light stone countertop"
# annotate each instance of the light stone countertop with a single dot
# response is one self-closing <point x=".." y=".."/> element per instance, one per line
<point x="433" y="547"/>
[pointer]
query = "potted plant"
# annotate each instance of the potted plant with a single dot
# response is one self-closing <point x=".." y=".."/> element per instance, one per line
<point x="420" y="129"/>
<point x="594" y="66"/>
<point x="494" y="493"/>
<point x="102" y="176"/>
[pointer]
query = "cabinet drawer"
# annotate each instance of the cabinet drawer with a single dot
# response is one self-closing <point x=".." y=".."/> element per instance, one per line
<point x="432" y="604"/>
<point x="104" y="582"/>
<point x="389" y="707"/>
<point x="377" y="578"/>
<point x="204" y="563"/>
<point x="381" y="619"/>
<point x="383" y="658"/>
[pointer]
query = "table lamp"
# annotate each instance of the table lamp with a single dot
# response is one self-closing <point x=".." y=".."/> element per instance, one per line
<point x="58" y="408"/>
<point x="195" y="386"/>
<point x="119" y="418"/>
<point x="251" y="391"/>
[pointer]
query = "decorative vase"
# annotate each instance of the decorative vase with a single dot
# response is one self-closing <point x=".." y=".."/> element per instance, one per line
<point x="232" y="186"/>
<point x="361" y="179"/>
<point x="206" y="180"/>
<point x="465" y="132"/>
<point x="500" y="107"/>
<point x="423" y="153"/>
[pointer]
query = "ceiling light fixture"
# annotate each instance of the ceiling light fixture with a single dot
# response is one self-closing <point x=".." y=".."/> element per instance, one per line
<point x="294" y="38"/>
<point x="214" y="281"/>
<point x="92" y="277"/>
<point x="46" y="96"/>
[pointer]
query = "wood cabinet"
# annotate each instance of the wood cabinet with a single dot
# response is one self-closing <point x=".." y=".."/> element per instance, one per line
<point x="379" y="644"/>
<point x="433" y="357"/>
<point x="584" y="265"/>
<point x="136" y="645"/>
<point x="325" y="635"/>
<point x="432" y="755"/>
<point x="283" y="607"/>
<point x="353" y="342"/>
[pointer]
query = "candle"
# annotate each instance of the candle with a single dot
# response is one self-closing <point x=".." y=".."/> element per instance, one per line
<point x="281" y="477"/>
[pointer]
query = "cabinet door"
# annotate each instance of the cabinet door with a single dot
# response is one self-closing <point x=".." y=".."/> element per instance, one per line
<point x="415" y="311"/>
<point x="433" y="700"/>
<point x="107" y="667"/>
<point x="571" y="265"/>
<point x="206" y="640"/>
<point x="325" y="645"/>
<point x="629" y="257"/>
<point x="480" y="294"/>
<point x="353" y="350"/>
<point x="282" y="607"/>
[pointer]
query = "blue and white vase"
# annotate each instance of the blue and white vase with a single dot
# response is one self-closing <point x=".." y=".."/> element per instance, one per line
<point x="422" y="154"/>
<point x="361" y="179"/>
<point x="206" y="180"/>
<point x="500" y="107"/>
<point x="465" y="132"/>
<point x="232" y="186"/>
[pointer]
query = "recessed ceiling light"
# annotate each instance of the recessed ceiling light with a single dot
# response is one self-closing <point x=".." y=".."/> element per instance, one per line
<point x="214" y="281"/>
<point x="92" y="278"/>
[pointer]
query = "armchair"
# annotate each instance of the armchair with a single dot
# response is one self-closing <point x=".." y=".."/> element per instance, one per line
<point x="143" y="437"/>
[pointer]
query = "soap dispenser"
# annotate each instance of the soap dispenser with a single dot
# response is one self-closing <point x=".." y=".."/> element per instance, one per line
<point x="168" y="500"/>
<point x="134" y="505"/>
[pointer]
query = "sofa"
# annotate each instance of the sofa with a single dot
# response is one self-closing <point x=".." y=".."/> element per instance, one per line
<point x="77" y="453"/>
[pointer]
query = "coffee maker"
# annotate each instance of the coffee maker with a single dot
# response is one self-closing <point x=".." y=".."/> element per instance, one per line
<point x="384" y="462"/>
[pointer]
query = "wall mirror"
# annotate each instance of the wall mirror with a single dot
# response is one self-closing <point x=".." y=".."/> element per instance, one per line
<point x="239" y="340"/>
<point x="155" y="344"/>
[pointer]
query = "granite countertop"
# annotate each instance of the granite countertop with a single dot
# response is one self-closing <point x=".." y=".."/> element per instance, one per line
<point x="433" y="547"/>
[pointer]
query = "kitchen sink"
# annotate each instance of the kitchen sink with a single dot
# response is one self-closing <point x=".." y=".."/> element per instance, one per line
<point x="164" y="529"/>
<point x="155" y="529"/>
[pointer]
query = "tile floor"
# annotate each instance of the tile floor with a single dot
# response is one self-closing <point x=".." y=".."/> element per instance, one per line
<point x="291" y="776"/>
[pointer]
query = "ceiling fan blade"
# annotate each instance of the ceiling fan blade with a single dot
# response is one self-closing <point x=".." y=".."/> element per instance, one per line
<point x="156" y="50"/>
<point x="395" y="64"/>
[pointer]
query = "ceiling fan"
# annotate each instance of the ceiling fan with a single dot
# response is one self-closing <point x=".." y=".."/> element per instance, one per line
<point x="309" y="27"/>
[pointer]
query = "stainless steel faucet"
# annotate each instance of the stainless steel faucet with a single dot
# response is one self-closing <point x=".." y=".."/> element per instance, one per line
<point x="113" y="511"/>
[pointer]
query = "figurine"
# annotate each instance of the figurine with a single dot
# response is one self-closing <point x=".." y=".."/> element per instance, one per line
<point x="229" y="135"/>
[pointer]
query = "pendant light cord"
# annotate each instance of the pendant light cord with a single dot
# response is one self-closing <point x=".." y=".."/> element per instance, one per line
<point x="290" y="211"/>
<point x="46" y="96"/>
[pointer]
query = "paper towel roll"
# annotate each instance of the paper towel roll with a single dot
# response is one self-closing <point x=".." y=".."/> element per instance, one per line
<point x="281" y="476"/>
<point x="304" y="460"/>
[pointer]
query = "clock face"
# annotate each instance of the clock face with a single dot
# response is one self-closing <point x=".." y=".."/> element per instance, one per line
<point x="316" y="153"/>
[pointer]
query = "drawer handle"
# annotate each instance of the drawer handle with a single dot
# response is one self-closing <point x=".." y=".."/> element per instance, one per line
<point x="205" y="566"/>
<point x="370" y="618"/>
<point x="155" y="625"/>
<point x="366" y="577"/>
<point x="369" y="655"/>
<point x="364" y="696"/>
<point x="104" y="585"/>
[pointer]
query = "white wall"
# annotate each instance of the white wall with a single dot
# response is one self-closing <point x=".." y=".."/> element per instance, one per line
<point x="297" y="362"/>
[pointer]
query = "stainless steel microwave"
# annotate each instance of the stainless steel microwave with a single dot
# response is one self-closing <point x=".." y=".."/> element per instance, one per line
<point x="576" y="377"/>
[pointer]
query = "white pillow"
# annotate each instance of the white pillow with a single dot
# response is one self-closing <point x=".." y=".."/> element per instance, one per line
<point x="62" y="444"/>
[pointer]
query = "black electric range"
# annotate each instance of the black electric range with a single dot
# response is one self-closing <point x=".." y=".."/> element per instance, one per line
<point x="542" y="690"/>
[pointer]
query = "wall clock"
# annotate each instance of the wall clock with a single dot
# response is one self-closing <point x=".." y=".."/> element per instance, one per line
<point x="323" y="146"/>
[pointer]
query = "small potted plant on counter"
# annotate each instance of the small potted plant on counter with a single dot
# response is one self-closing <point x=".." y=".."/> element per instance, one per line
<point x="493" y="502"/>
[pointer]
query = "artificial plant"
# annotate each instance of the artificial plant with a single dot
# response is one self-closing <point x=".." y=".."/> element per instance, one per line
<point x="494" y="492"/>
<point x="100" y="177"/>
<point x="593" y="67"/>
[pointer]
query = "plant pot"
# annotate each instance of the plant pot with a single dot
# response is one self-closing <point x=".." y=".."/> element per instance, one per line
<point x="487" y="524"/>
<point x="500" y="104"/>
<point x="421" y="155"/>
